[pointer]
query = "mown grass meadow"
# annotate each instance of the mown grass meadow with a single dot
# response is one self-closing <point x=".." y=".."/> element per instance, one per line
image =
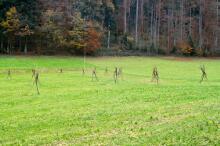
<point x="74" y="110"/>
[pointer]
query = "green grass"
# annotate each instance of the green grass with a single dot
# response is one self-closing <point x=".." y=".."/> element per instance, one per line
<point x="73" y="110"/>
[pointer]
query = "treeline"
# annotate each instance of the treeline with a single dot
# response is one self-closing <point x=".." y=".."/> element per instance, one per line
<point x="182" y="27"/>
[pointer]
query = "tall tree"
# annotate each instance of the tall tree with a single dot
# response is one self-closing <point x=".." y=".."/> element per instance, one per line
<point x="136" y="22"/>
<point x="11" y="25"/>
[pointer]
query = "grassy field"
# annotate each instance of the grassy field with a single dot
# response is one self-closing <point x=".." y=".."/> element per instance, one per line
<point x="74" y="110"/>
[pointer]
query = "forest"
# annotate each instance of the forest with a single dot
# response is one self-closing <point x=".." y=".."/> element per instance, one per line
<point x="110" y="27"/>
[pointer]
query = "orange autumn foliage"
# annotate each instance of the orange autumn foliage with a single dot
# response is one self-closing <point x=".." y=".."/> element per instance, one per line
<point x="185" y="48"/>
<point x="93" y="41"/>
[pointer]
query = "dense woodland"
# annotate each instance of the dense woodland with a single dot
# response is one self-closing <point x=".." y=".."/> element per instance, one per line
<point x="181" y="27"/>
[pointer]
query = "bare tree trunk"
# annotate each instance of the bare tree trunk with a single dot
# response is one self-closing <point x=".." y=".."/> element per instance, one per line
<point x="41" y="44"/>
<point x="173" y="24"/>
<point x="109" y="36"/>
<point x="200" y="25"/>
<point x="1" y="47"/>
<point x="158" y="26"/>
<point x="181" y="20"/>
<point x="168" y="31"/>
<point x="142" y="16"/>
<point x="125" y="16"/>
<point x="151" y="25"/>
<point x="8" y="47"/>
<point x="190" y="23"/>
<point x="217" y="23"/>
<point x="25" y="47"/>
<point x="136" y="27"/>
<point x="20" y="43"/>
<point x="11" y="47"/>
<point x="155" y="29"/>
